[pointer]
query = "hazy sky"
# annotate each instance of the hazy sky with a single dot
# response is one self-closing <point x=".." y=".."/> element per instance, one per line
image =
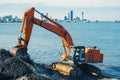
<point x="93" y="9"/>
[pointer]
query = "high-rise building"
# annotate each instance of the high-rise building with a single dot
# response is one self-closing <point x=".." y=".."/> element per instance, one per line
<point x="65" y="18"/>
<point x="0" y="19"/>
<point x="70" y="15"/>
<point x="77" y="18"/>
<point x="7" y="18"/>
<point x="47" y="14"/>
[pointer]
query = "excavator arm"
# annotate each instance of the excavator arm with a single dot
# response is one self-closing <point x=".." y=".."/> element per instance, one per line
<point x="61" y="32"/>
<point x="26" y="30"/>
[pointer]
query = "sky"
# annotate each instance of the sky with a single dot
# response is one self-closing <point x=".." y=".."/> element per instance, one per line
<point x="93" y="9"/>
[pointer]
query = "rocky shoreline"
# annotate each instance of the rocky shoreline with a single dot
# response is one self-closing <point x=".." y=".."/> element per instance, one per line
<point x="11" y="68"/>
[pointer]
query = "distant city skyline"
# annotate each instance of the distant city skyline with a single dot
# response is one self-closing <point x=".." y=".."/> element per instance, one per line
<point x="9" y="18"/>
<point x="107" y="10"/>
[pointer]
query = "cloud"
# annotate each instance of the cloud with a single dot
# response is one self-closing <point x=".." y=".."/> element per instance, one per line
<point x="18" y="1"/>
<point x="67" y="3"/>
<point x="82" y="3"/>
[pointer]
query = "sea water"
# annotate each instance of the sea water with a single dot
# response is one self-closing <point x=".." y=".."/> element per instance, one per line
<point x="46" y="47"/>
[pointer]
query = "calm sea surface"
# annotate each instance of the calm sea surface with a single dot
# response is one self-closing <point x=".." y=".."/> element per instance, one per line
<point x="46" y="47"/>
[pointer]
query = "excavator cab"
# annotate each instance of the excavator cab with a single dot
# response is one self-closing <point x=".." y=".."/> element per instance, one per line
<point x="79" y="54"/>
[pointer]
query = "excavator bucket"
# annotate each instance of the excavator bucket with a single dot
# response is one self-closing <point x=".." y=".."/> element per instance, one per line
<point x="18" y="52"/>
<point x="21" y="53"/>
<point x="13" y="51"/>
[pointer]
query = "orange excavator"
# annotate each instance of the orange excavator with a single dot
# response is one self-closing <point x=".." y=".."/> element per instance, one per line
<point x="80" y="54"/>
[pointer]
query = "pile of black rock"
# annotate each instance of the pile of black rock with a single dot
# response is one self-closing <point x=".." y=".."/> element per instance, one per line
<point x="12" y="68"/>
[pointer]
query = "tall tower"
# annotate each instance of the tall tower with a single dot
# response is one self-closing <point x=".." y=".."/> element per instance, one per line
<point x="0" y="19"/>
<point x="82" y="16"/>
<point x="70" y="15"/>
<point x="47" y="14"/>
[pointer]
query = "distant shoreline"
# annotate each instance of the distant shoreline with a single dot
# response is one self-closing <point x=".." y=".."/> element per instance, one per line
<point x="11" y="22"/>
<point x="75" y="22"/>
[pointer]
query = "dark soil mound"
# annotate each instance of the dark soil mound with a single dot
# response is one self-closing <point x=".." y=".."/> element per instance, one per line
<point x="14" y="68"/>
<point x="37" y="77"/>
<point x="4" y="77"/>
<point x="4" y="55"/>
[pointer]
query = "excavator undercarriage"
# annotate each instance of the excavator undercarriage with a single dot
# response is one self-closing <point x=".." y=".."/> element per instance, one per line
<point x="67" y="69"/>
<point x="76" y="70"/>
